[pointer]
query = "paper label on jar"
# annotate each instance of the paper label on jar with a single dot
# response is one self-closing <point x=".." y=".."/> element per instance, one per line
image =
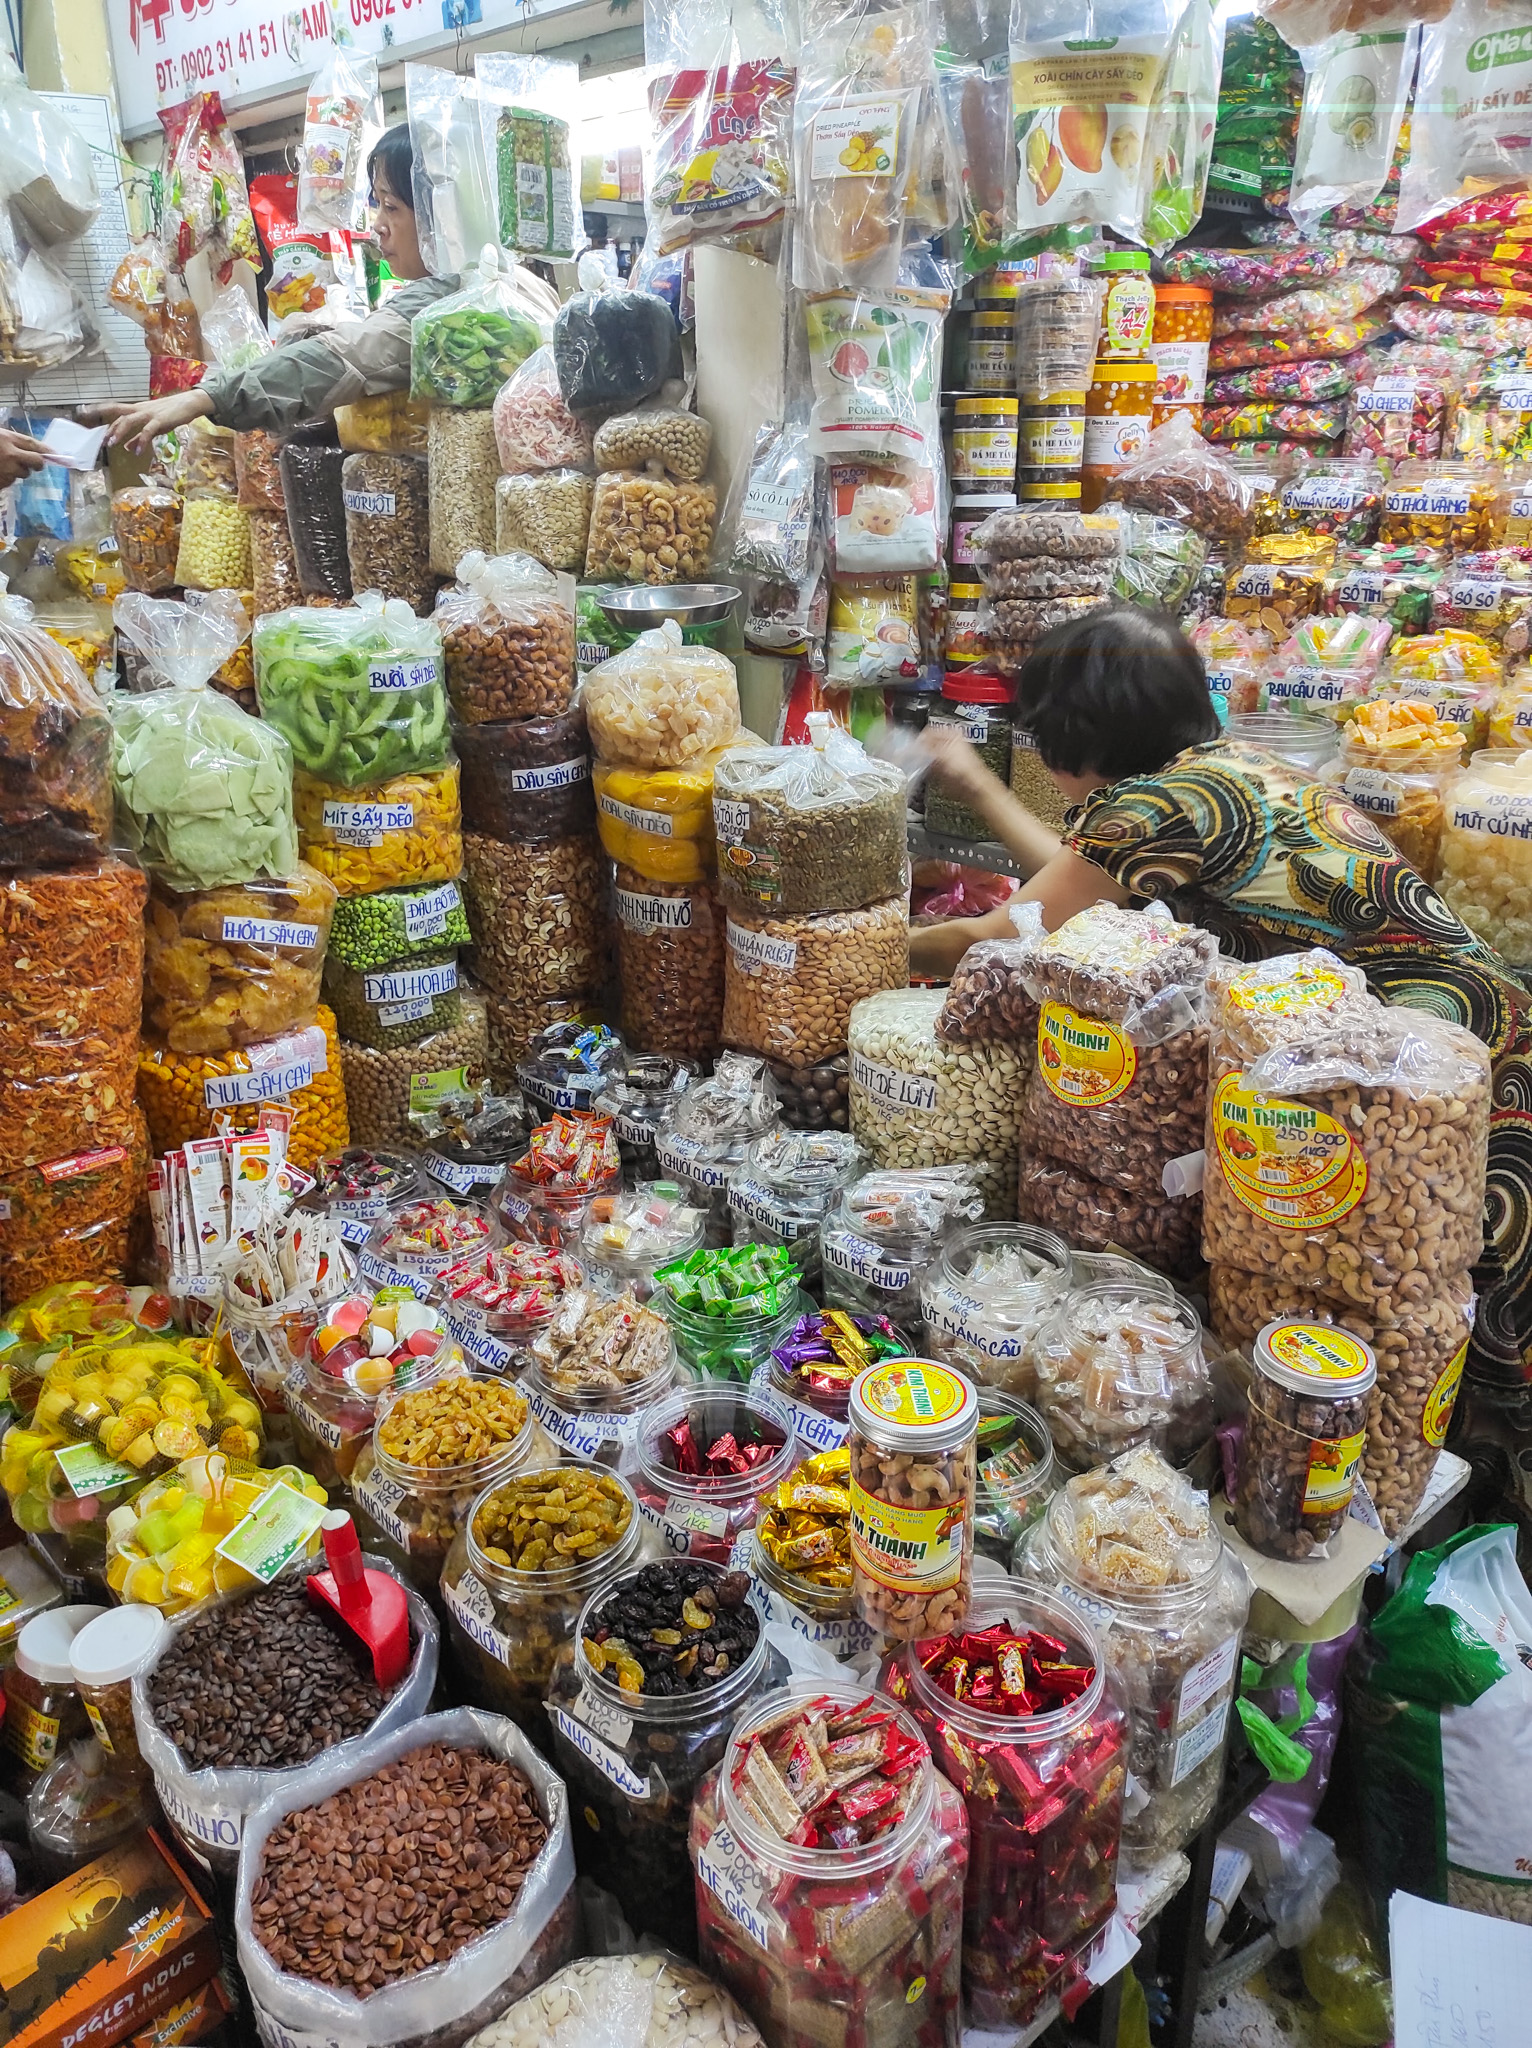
<point x="678" y="1521"/>
<point x="369" y="504"/>
<point x="410" y="985"/>
<point x="1372" y="791"/>
<point x="425" y="916"/>
<point x="1256" y="579"/>
<point x="973" y="720"/>
<point x="1497" y="813"/>
<point x="599" y="1753"/>
<point x="480" y="1346"/>
<point x="633" y="1130"/>
<point x="1115" y="440"/>
<point x="380" y="1499"/>
<point x="89" y="1470"/>
<point x="1290" y="1165"/>
<point x="586" y="1432"/>
<point x="470" y="1605"/>
<point x="752" y="951"/>
<point x="864" y="1260"/>
<point x="1181" y="371"/>
<point x="201" y="1819"/>
<point x="1053" y="443"/>
<point x="735" y="1882"/>
<point x="1084" y="1061"/>
<point x="269" y="931"/>
<point x="1428" y="502"/>
<point x="1208" y="1676"/>
<point x="365" y="824"/>
<point x="1309" y="685"/>
<point x="354" y="1231"/>
<point x="382" y="1274"/>
<point x="403" y="675"/>
<point x="657" y="823"/>
<point x="97" y="1720"/>
<point x="907" y="1550"/>
<point x="891" y="1088"/>
<point x="459" y="1175"/>
<point x="552" y="1096"/>
<point x="1199" y="1743"/>
<point x="558" y="775"/>
<point x="1315" y="495"/>
<point x="760" y="1204"/>
<point x="681" y="1159"/>
<point x="820" y="1432"/>
<point x="319" y="1427"/>
<point x="1333" y="1466"/>
<point x="267" y="1539"/>
<point x="640" y="913"/>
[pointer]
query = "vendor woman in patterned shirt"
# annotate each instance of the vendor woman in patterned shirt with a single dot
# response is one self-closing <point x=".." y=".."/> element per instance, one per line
<point x="1243" y="844"/>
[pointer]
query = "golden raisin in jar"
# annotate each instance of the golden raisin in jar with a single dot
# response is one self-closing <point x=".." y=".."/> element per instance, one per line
<point x="1183" y="333"/>
<point x="1118" y="407"/>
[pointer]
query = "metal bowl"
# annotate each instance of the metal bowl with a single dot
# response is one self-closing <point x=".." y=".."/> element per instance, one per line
<point x="645" y="604"/>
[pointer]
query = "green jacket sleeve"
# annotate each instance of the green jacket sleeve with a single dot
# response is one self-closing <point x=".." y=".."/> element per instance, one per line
<point x="307" y="378"/>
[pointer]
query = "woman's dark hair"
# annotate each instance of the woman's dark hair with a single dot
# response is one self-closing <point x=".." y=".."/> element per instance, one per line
<point x="393" y="156"/>
<point x="1119" y="692"/>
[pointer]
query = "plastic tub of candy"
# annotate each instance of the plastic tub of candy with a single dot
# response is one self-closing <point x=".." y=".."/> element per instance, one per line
<point x="546" y="1195"/>
<point x="419" y="1241"/>
<point x="1116" y="1366"/>
<point x="728" y="1308"/>
<point x="638" y="1096"/>
<point x="366" y="1351"/>
<point x="1135" y="1547"/>
<point x="703" y="1458"/>
<point x="992" y="1290"/>
<point x="434" y="1449"/>
<point x="403" y="834"/>
<point x="1337" y="497"/>
<point x="468" y="1134"/>
<point x="1486" y="863"/>
<point x="783" y="1186"/>
<point x="868" y="1921"/>
<point x="514" y="1583"/>
<point x="357" y="1186"/>
<point x="599" y="1362"/>
<point x="883" y="1232"/>
<point x="1017" y="1474"/>
<point x="812" y="1369"/>
<point x="703" y="1142"/>
<point x="633" y="1756"/>
<point x="567" y="1067"/>
<point x="1444" y="504"/>
<point x="499" y="1300"/>
<point x="1395" y="762"/>
<point x="1393" y="582"/>
<point x="1044" y="1791"/>
<point x="627" y="1237"/>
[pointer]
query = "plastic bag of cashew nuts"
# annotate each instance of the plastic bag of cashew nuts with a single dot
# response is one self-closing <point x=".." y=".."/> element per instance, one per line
<point x="789" y="983"/>
<point x="641" y="2001"/>
<point x="438" y="2005"/>
<point x="1420" y="1368"/>
<point x="1346" y="1141"/>
<point x="918" y="1101"/>
<point x="1119" y="1087"/>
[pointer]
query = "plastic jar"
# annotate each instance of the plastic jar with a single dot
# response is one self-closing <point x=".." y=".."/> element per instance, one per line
<point x="507" y="1625"/>
<point x="633" y="1762"/>
<point x="775" y="1922"/>
<point x="43" y="1709"/>
<point x="410" y="1513"/>
<point x="703" y="1141"/>
<point x="1305" y="1432"/>
<point x="992" y="353"/>
<point x="638" y="1096"/>
<point x="703" y="1515"/>
<point x="1183" y="334"/>
<point x="1118" y="409"/>
<point x="544" y="1215"/>
<point x="979" y="706"/>
<point x="627" y="1237"/>
<point x="1172" y="1648"/>
<point x="783" y="1186"/>
<point x="419" y="1239"/>
<point x="914" y="1425"/>
<point x="984" y="446"/>
<point x="1044" y="1795"/>
<point x="104" y="1656"/>
<point x="475" y="1153"/>
<point x="1403" y="788"/>
<point x="968" y="512"/>
<point x="720" y="1348"/>
<point x="1302" y="738"/>
<point x="528" y="779"/>
<point x="1117" y="1365"/>
<point x="332" y="1417"/>
<point x="594" y="1422"/>
<point x="1052" y="439"/>
<point x="567" y="1066"/>
<point x="988" y="1294"/>
<point x="1017" y="1474"/>
<point x="1128" y="304"/>
<point x="880" y="1234"/>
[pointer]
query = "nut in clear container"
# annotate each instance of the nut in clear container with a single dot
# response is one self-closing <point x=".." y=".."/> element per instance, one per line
<point x="1305" y="1432"/>
<point x="914" y="1425"/>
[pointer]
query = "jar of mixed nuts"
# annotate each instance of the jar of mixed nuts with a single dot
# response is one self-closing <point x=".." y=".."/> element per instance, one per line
<point x="979" y="706"/>
<point x="1304" y="1436"/>
<point x="914" y="1425"/>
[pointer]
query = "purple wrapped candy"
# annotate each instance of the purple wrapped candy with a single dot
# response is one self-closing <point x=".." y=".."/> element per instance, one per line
<point x="1253" y="273"/>
<point x="1306" y="383"/>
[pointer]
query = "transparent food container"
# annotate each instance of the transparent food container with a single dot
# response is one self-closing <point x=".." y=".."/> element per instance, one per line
<point x="991" y="1291"/>
<point x="1116" y="1366"/>
<point x="700" y="1513"/>
<point x="783" y="1187"/>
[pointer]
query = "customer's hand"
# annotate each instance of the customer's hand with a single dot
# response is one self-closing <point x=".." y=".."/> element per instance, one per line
<point x="20" y="455"/>
<point x="135" y="425"/>
<point x="957" y="766"/>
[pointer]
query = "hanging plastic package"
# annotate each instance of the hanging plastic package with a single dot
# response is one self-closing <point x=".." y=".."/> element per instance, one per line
<point x="232" y="335"/>
<point x="1179" y="152"/>
<point x="456" y="207"/>
<point x="55" y="750"/>
<point x="771" y="522"/>
<point x="342" y="118"/>
<point x="206" y="203"/>
<point x="1353" y="104"/>
<point x="531" y="147"/>
<point x="865" y="80"/>
<point x="875" y="362"/>
<point x="973" y="98"/>
<point x="613" y="349"/>
<point x="1468" y="123"/>
<point x="302" y="273"/>
<point x="463" y="348"/>
<point x="49" y="180"/>
<point x="721" y="84"/>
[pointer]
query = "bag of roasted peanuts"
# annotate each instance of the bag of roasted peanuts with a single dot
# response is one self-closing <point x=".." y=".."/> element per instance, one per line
<point x="1346" y="1140"/>
<point x="1119" y="1088"/>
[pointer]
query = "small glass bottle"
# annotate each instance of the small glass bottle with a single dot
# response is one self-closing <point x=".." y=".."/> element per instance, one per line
<point x="44" y="1713"/>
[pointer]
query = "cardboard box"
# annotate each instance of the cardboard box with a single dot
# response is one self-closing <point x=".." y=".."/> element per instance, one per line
<point x="189" y="2019"/>
<point x="100" y="1955"/>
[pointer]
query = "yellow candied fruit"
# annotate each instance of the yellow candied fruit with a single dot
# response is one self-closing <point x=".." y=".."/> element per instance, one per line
<point x="172" y="1092"/>
<point x="403" y="833"/>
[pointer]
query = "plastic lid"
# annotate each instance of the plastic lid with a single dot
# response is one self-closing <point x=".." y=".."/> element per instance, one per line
<point x="974" y="686"/>
<point x="1110" y="371"/>
<point x="1121" y="259"/>
<point x="1316" y="1359"/>
<point x="117" y="1644"/>
<point x="914" y="1402"/>
<point x="978" y="500"/>
<point x="1184" y="294"/>
<point x="1033" y="492"/>
<point x="43" y="1647"/>
<point x="1037" y="404"/>
<point x="986" y="405"/>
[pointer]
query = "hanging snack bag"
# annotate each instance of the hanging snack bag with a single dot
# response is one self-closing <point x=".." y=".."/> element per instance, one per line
<point x="721" y="85"/>
<point x="55" y="750"/>
<point x="528" y="147"/>
<point x="613" y="348"/>
<point x="875" y="361"/>
<point x="342" y="116"/>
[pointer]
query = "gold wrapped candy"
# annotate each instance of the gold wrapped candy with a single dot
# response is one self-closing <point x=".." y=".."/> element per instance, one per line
<point x="806" y="1529"/>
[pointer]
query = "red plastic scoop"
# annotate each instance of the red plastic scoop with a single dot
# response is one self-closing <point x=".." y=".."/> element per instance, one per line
<point x="369" y="1603"/>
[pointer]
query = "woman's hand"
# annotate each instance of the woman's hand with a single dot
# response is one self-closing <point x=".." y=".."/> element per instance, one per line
<point x="20" y="455"/>
<point x="136" y="425"/>
<point x="957" y="766"/>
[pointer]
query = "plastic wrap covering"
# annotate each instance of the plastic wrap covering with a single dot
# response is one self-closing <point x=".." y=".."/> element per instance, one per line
<point x="659" y="704"/>
<point x="183" y="1094"/>
<point x="273" y="564"/>
<point x="670" y="954"/>
<point x="653" y="2000"/>
<point x="537" y="914"/>
<point x="233" y="966"/>
<point x="1178" y="476"/>
<point x="462" y="463"/>
<point x="403" y="833"/>
<point x="357" y="692"/>
<point x="257" y="472"/>
<point x="146" y="524"/>
<point x="316" y="517"/>
<point x="507" y="631"/>
<point x="72" y="1219"/>
<point x="1096" y="1217"/>
<point x="379" y="1083"/>
<point x="884" y="1231"/>
<point x="614" y="348"/>
<point x="463" y="347"/>
<point x="534" y="429"/>
<point x="399" y="1004"/>
<point x="71" y="987"/>
<point x="648" y="529"/>
<point x="528" y="779"/>
<point x="214" y="550"/>
<point x="790" y="982"/>
<point x="546" y="514"/>
<point x="809" y="828"/>
<point x="659" y="821"/>
<point x="55" y="750"/>
<point x="388" y="527"/>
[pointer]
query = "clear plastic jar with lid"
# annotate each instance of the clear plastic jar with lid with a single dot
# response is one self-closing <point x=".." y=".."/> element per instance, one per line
<point x="783" y="1187"/>
<point x="914" y="1425"/>
<point x="567" y="1065"/>
<point x="1118" y="408"/>
<point x="1128" y="304"/>
<point x="818" y="1955"/>
<point x="546" y="1215"/>
<point x="468" y="1144"/>
<point x="1183" y="334"/>
<point x="701" y="1512"/>
<point x="992" y="353"/>
<point x="984" y="446"/>
<point x="359" y="1187"/>
<point x="628" y="1236"/>
<point x="333" y="1411"/>
<point x="968" y="512"/>
<point x="881" y="1234"/>
<point x="638" y="1096"/>
<point x="1052" y="439"/>
<point x="703" y="1141"/>
<point x="419" y="1239"/>
<point x="1301" y="737"/>
<point x="1044" y="1794"/>
<point x="633" y="1759"/>
<point x="1134" y="1548"/>
<point x="1399" y="777"/>
<point x="588" y="1387"/>
<point x="1118" y="1365"/>
<point x="979" y="706"/>
<point x="1305" y="1432"/>
<point x="43" y="1709"/>
<point x="987" y="1296"/>
<point x="79" y="1808"/>
<point x="1017" y="1473"/>
<point x="508" y="1624"/>
<point x="104" y="1656"/>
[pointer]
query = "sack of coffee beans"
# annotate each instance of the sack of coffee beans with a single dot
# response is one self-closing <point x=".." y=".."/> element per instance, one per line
<point x="471" y="1812"/>
<point x="243" y="1697"/>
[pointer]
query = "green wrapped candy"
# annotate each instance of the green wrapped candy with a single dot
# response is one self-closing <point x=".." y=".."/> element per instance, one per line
<point x="357" y="691"/>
